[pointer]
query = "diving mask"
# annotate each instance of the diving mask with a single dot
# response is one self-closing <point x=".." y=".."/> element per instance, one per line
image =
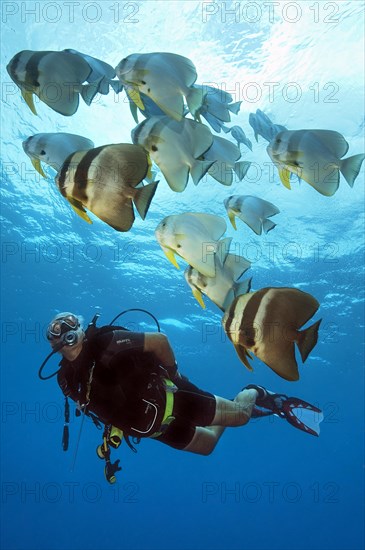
<point x="62" y="324"/>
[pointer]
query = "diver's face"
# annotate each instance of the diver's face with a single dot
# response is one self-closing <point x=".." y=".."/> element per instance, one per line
<point x="70" y="352"/>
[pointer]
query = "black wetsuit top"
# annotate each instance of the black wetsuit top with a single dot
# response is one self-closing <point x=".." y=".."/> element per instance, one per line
<point x="127" y="388"/>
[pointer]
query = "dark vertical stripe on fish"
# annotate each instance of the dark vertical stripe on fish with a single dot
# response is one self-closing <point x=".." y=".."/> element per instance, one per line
<point x="32" y="69"/>
<point x="61" y="178"/>
<point x="250" y="313"/>
<point x="13" y="65"/>
<point x="244" y="325"/>
<point x="82" y="171"/>
<point x="231" y="316"/>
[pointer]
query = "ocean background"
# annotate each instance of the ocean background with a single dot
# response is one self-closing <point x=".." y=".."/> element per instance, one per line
<point x="267" y="486"/>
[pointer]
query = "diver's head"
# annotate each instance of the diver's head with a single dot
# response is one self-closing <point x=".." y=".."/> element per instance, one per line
<point x="65" y="333"/>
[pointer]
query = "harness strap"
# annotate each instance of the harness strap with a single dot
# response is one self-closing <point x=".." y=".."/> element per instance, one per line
<point x="169" y="407"/>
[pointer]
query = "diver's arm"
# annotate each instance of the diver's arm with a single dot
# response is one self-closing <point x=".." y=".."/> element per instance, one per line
<point x="158" y="344"/>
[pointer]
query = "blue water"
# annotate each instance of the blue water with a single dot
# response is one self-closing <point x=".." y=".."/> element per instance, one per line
<point x="266" y="486"/>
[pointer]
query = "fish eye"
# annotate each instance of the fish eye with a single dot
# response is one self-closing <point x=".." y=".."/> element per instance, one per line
<point x="178" y="246"/>
<point x="154" y="148"/>
<point x="278" y="140"/>
<point x="143" y="82"/>
<point x="42" y="152"/>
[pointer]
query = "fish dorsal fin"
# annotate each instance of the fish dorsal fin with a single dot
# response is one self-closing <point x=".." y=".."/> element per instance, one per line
<point x="296" y="306"/>
<point x="334" y="141"/>
<point x="214" y="225"/>
<point x="183" y="66"/>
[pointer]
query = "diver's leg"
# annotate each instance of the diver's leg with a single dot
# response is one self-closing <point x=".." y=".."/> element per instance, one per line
<point x="228" y="413"/>
<point x="204" y="440"/>
<point x="237" y="412"/>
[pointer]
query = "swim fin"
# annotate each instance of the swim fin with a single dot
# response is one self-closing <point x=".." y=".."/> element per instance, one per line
<point x="298" y="413"/>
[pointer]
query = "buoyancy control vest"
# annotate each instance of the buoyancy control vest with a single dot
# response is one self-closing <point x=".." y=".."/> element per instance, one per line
<point x="128" y="388"/>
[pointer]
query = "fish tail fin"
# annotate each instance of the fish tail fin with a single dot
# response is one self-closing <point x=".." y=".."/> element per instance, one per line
<point x="225" y="129"/>
<point x="243" y="287"/>
<point x="223" y="249"/>
<point x="199" y="169"/>
<point x="241" y="169"/>
<point x="268" y="225"/>
<point x="248" y="144"/>
<point x="194" y="99"/>
<point x="116" y="85"/>
<point x="350" y="168"/>
<point x="143" y="198"/>
<point x="89" y="91"/>
<point x="308" y="339"/>
<point x="235" y="107"/>
<point x="103" y="87"/>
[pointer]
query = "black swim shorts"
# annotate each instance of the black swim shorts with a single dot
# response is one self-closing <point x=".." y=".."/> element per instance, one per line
<point x="192" y="407"/>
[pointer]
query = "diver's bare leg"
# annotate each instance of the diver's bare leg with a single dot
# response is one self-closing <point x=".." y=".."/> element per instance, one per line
<point x="237" y="412"/>
<point x="228" y="413"/>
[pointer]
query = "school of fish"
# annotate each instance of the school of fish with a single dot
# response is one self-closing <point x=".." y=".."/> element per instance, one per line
<point x="112" y="180"/>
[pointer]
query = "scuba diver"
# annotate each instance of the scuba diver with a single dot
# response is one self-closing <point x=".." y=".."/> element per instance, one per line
<point x="130" y="382"/>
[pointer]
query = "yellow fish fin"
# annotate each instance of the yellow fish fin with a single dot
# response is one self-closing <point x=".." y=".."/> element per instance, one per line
<point x="232" y="219"/>
<point x="169" y="253"/>
<point x="198" y="296"/>
<point x="134" y="95"/>
<point x="28" y="98"/>
<point x="37" y="165"/>
<point x="79" y="209"/>
<point x="285" y="177"/>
